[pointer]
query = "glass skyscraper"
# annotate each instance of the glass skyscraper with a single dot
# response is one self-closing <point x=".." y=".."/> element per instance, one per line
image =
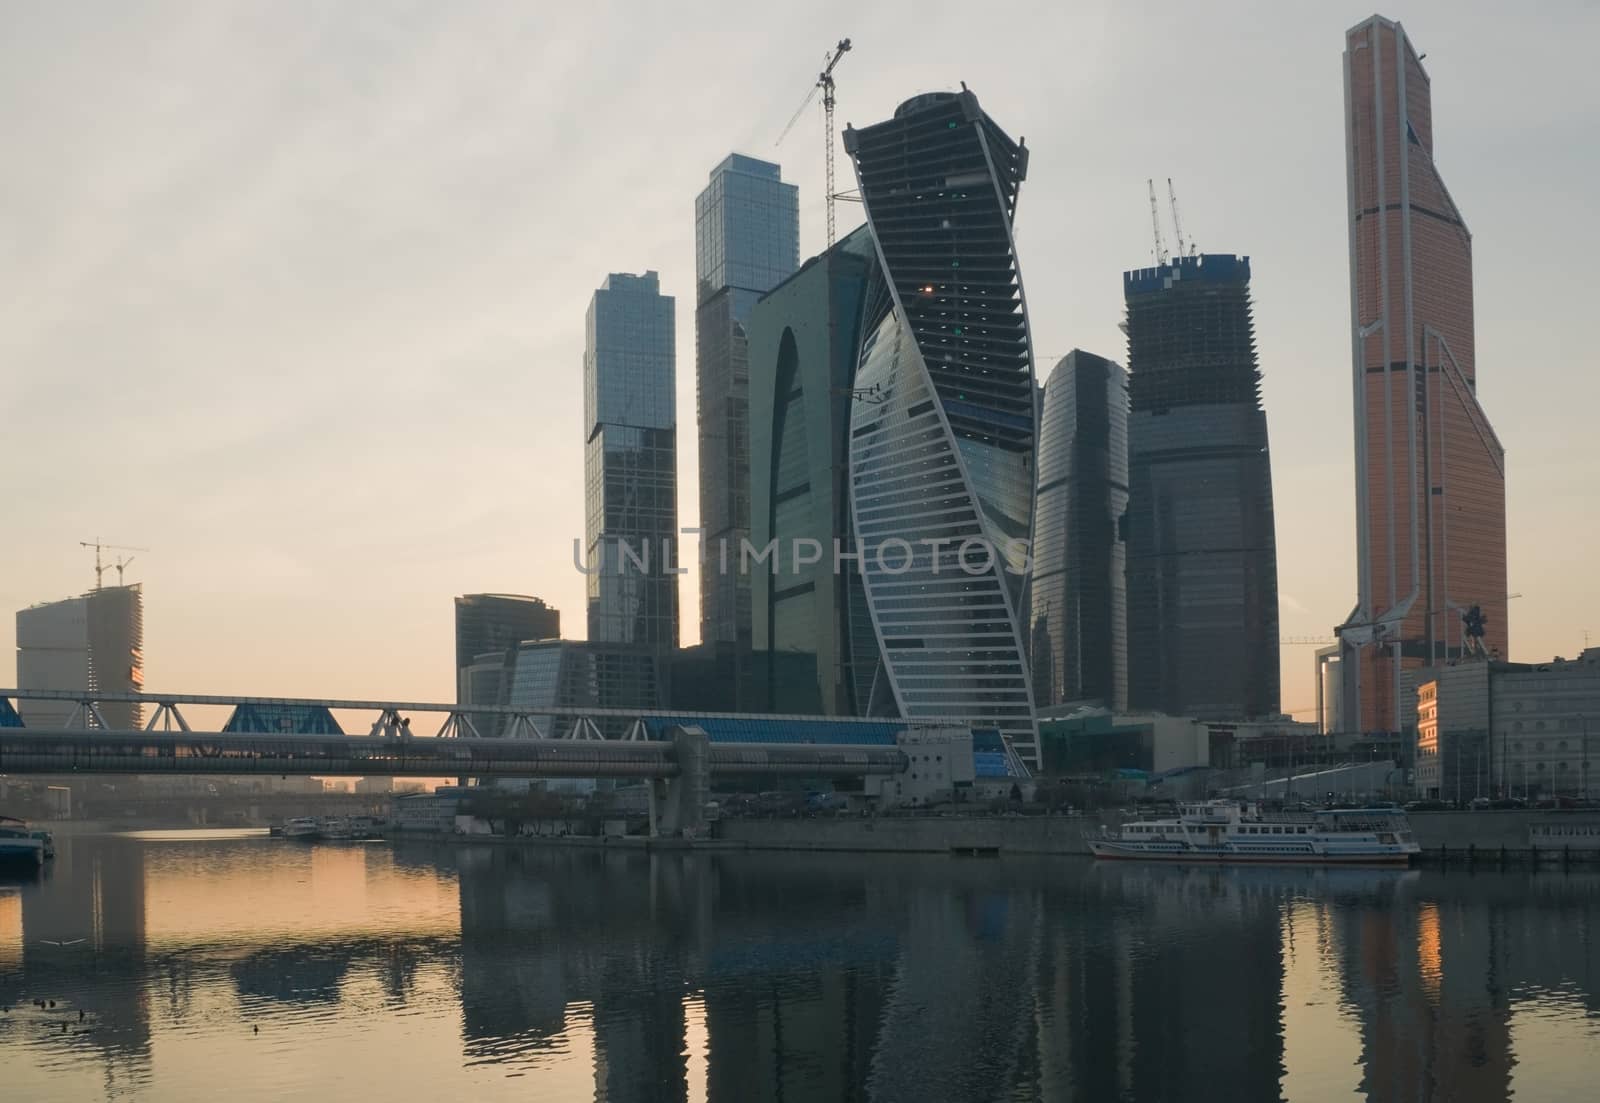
<point x="92" y="644"/>
<point x="631" y="488"/>
<point x="747" y="241"/>
<point x="1430" y="472"/>
<point x="943" y="418"/>
<point x="1202" y="544"/>
<point x="804" y="338"/>
<point x="1078" y="640"/>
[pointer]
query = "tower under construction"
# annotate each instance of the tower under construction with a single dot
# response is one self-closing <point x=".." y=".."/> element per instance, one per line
<point x="1201" y="542"/>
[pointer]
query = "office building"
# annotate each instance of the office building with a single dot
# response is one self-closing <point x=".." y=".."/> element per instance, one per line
<point x="631" y="488"/>
<point x="1202" y="556"/>
<point x="488" y="628"/>
<point x="1078" y="637"/>
<point x="942" y="425"/>
<point x="493" y="623"/>
<point x="92" y="644"/>
<point x="1330" y="694"/>
<point x="1430" y="473"/>
<point x="554" y="680"/>
<point x="1488" y="728"/>
<point x="747" y="241"/>
<point x="805" y="336"/>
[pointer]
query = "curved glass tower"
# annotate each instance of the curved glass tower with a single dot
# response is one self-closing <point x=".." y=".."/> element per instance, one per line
<point x="1079" y="599"/>
<point x="942" y="429"/>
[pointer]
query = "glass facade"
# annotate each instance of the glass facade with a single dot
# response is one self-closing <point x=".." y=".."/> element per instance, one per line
<point x="1430" y="472"/>
<point x="1202" y="572"/>
<point x="495" y="623"/>
<point x="289" y="719"/>
<point x="1078" y="637"/>
<point x="942" y="428"/>
<point x="549" y="677"/>
<point x="631" y="487"/>
<point x="804" y="336"/>
<point x="747" y="241"/>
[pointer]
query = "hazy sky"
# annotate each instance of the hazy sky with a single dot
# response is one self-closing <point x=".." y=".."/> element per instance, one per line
<point x="293" y="294"/>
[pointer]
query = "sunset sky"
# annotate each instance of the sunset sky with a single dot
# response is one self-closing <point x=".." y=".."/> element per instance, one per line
<point x="293" y="295"/>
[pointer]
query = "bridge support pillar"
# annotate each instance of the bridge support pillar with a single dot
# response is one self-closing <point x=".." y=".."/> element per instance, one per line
<point x="678" y="804"/>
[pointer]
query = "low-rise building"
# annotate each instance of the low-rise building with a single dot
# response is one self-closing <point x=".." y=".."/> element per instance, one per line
<point x="1489" y="728"/>
<point x="435" y="812"/>
<point x="1097" y="741"/>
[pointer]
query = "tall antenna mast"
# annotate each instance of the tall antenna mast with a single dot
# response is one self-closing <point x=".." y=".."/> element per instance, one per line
<point x="1155" y="224"/>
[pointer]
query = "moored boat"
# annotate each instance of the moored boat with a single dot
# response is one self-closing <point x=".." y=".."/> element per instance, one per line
<point x="1233" y="831"/>
<point x="20" y="846"/>
<point x="305" y="828"/>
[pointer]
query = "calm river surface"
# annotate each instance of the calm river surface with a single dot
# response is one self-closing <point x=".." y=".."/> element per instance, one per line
<point x="245" y="968"/>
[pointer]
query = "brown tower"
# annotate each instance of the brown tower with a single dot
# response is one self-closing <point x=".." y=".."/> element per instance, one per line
<point x="1430" y="473"/>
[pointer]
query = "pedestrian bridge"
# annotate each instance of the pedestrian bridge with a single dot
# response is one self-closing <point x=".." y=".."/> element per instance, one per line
<point x="293" y="735"/>
<point x="674" y="753"/>
<point x="94" y="750"/>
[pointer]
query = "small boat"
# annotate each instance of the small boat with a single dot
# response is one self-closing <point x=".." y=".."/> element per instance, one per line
<point x="305" y="828"/>
<point x="337" y="829"/>
<point x="20" y="846"/>
<point x="1233" y="831"/>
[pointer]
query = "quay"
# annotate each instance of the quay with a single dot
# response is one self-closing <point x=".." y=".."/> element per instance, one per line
<point x="1479" y="839"/>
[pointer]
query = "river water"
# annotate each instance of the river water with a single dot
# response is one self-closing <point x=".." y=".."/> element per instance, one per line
<point x="237" y="967"/>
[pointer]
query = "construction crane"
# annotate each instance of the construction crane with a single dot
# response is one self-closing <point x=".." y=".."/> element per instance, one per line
<point x="99" y="567"/>
<point x="1177" y="226"/>
<point x="1155" y="224"/>
<point x="825" y="83"/>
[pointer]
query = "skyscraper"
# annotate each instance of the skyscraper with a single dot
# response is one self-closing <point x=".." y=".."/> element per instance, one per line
<point x="942" y="425"/>
<point x="1202" y="544"/>
<point x="747" y="241"/>
<point x="495" y="622"/>
<point x="805" y="336"/>
<point x="631" y="488"/>
<point x="488" y="627"/>
<point x="93" y="643"/>
<point x="1078" y="640"/>
<point x="1430" y="473"/>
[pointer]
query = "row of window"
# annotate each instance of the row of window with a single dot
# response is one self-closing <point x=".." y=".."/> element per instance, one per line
<point x="1245" y="829"/>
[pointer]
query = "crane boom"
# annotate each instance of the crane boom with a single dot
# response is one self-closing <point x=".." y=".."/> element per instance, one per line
<point x="99" y="567"/>
<point x="1155" y="224"/>
<point x="824" y="82"/>
<point x="1177" y="226"/>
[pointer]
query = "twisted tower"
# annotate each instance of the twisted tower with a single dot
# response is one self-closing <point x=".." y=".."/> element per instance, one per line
<point x="943" y="423"/>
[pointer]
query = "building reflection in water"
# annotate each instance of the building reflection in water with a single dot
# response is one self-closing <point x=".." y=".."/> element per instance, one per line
<point x="623" y="975"/>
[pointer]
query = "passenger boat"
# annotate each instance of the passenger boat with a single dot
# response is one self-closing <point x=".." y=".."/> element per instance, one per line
<point x="305" y="828"/>
<point x="1233" y="831"/>
<point x="20" y="846"/>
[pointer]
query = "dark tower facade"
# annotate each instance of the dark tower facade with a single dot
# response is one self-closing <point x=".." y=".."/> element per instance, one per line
<point x="942" y="434"/>
<point x="1202" y="550"/>
<point x="1078" y="637"/>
